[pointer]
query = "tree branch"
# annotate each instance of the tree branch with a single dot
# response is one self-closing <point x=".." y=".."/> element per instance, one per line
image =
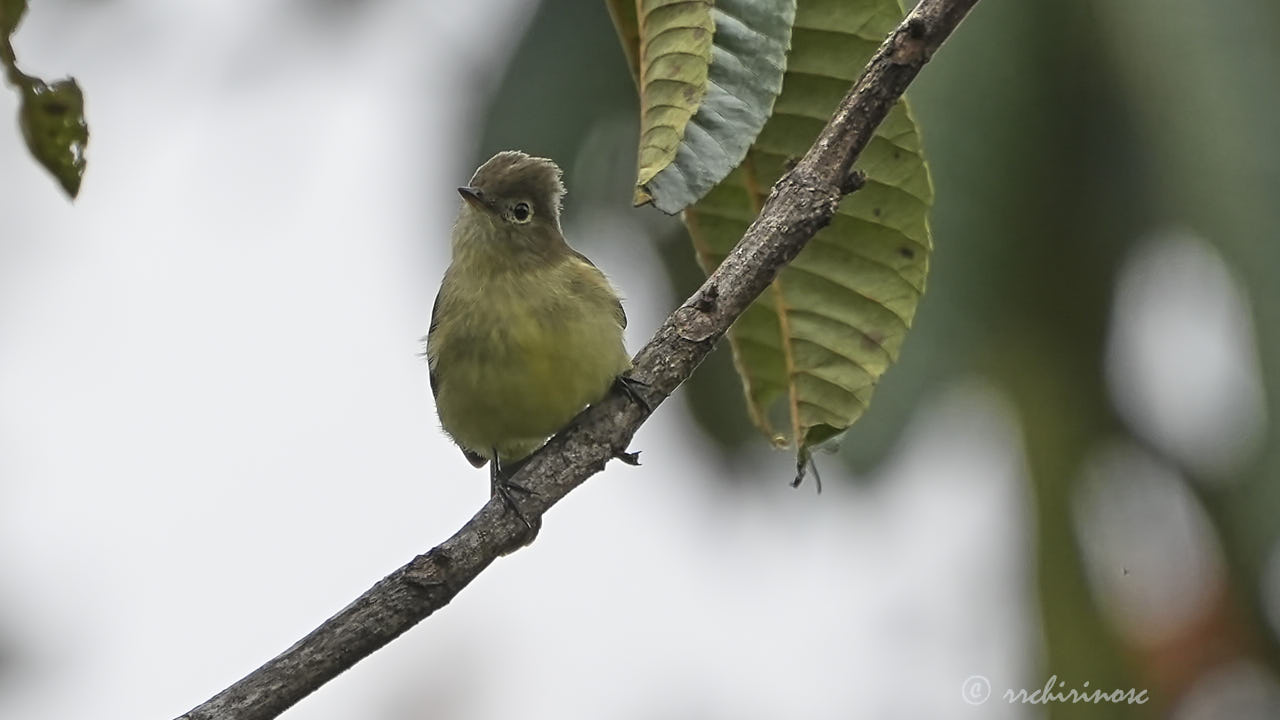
<point x="800" y="204"/>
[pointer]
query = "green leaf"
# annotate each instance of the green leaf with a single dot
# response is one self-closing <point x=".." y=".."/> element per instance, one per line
<point x="52" y="119"/>
<point x="812" y="348"/>
<point x="51" y="116"/>
<point x="708" y="74"/>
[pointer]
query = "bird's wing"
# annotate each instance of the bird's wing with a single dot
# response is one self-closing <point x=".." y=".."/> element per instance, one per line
<point x="619" y="314"/>
<point x="475" y="459"/>
<point x="426" y="351"/>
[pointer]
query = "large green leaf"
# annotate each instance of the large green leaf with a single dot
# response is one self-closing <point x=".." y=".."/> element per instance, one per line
<point x="708" y="74"/>
<point x="51" y="115"/>
<point x="811" y="350"/>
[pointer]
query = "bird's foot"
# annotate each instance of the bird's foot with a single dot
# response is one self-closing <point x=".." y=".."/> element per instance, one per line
<point x="634" y="389"/>
<point x="504" y="490"/>
<point x="501" y="485"/>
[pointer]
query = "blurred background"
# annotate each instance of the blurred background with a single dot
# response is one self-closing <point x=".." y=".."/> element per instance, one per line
<point x="215" y="431"/>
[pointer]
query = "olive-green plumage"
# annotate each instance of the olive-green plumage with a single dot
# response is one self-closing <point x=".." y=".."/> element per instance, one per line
<point x="525" y="332"/>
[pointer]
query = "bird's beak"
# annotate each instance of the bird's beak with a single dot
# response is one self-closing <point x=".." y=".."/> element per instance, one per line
<point x="474" y="197"/>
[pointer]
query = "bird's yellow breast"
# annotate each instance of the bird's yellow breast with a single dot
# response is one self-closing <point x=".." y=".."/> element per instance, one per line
<point x="517" y="356"/>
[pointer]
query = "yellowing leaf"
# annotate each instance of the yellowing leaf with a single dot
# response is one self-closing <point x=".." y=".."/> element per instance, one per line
<point x="708" y="73"/>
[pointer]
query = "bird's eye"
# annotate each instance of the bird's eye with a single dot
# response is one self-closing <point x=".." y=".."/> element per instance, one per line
<point x="521" y="212"/>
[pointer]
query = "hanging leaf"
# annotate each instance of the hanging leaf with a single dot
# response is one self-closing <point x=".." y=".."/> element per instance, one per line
<point x="708" y="74"/>
<point x="51" y="115"/>
<point x="812" y="348"/>
<point x="52" y="119"/>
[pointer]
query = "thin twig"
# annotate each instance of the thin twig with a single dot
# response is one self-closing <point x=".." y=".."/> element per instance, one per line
<point x="801" y="203"/>
<point x="9" y="60"/>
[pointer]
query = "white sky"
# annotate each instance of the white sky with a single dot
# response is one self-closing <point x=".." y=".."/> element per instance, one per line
<point x="214" y="431"/>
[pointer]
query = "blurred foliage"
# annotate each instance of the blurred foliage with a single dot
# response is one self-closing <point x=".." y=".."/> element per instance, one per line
<point x="51" y="115"/>
<point x="1060" y="133"/>
<point x="11" y="12"/>
<point x="1041" y="195"/>
<point x="1035" y="209"/>
<point x="575" y="64"/>
<point x="1202" y="88"/>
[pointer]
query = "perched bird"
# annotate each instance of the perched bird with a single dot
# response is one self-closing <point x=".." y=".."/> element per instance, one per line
<point x="525" y="331"/>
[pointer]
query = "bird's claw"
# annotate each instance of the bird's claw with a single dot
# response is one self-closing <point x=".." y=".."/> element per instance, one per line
<point x="632" y="388"/>
<point x="501" y="485"/>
